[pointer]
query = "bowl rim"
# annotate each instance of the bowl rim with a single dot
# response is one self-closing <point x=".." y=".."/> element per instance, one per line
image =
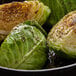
<point x="41" y="70"/>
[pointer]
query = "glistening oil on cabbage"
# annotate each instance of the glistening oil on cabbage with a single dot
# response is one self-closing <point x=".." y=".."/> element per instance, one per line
<point x="53" y="60"/>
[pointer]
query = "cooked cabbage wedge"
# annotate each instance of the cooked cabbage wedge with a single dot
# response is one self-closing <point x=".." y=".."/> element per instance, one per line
<point x="14" y="13"/>
<point x="24" y="48"/>
<point x="62" y="37"/>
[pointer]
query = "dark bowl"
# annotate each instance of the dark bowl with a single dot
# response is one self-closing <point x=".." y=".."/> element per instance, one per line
<point x="61" y="71"/>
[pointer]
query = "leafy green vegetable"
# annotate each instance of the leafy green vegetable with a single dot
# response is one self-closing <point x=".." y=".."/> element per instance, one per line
<point x="24" y="48"/>
<point x="40" y="11"/>
<point x="59" y="8"/>
<point x="62" y="37"/>
<point x="37" y="25"/>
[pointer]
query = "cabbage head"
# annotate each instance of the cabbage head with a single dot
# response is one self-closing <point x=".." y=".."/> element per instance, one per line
<point x="24" y="48"/>
<point x="62" y="37"/>
<point x="14" y="13"/>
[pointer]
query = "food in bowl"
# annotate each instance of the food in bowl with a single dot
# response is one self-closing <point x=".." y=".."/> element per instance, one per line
<point x="25" y="46"/>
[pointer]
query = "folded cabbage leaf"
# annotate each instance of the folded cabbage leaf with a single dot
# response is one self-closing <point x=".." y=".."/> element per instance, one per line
<point x="24" y="48"/>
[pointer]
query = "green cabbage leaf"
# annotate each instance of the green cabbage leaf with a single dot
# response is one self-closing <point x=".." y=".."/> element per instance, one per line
<point x="24" y="48"/>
